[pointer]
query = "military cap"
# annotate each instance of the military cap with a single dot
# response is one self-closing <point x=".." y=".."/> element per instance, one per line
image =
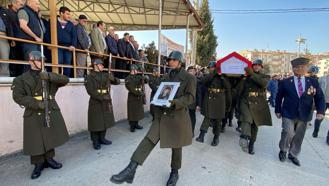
<point x="300" y="61"/>
<point x="98" y="61"/>
<point x="36" y="56"/>
<point x="212" y="64"/>
<point x="176" y="55"/>
<point x="257" y="62"/>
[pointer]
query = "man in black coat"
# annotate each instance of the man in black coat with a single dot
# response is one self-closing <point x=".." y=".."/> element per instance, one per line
<point x="124" y="52"/>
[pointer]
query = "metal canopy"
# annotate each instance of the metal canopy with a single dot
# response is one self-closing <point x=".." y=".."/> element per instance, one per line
<point x="133" y="14"/>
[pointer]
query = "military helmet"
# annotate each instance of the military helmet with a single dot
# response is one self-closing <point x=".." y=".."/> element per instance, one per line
<point x="36" y="56"/>
<point x="98" y="61"/>
<point x="177" y="55"/>
<point x="212" y="64"/>
<point x="133" y="67"/>
<point x="313" y="69"/>
<point x="258" y="62"/>
<point x="140" y="67"/>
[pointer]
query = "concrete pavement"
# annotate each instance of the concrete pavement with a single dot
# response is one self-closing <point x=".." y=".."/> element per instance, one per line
<point x="203" y="164"/>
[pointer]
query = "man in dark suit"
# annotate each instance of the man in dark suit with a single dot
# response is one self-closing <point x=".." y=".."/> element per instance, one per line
<point x="124" y="52"/>
<point x="294" y="104"/>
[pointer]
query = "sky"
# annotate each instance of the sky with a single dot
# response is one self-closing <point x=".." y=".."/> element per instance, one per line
<point x="260" y="31"/>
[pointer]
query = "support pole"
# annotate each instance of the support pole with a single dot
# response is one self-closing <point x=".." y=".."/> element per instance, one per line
<point x="53" y="28"/>
<point x="187" y="33"/>
<point x="159" y="34"/>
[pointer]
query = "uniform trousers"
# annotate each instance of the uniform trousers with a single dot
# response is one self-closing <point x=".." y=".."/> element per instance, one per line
<point x="146" y="147"/>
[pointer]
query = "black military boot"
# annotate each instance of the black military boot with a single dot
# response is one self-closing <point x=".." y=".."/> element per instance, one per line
<point x="37" y="170"/>
<point x="137" y="126"/>
<point x="126" y="175"/>
<point x="104" y="141"/>
<point x="201" y="137"/>
<point x="316" y="128"/>
<point x="251" y="149"/>
<point x="132" y="128"/>
<point x="215" y="141"/>
<point x="230" y="123"/>
<point x="224" y="122"/>
<point x="96" y="145"/>
<point x="238" y="129"/>
<point x="50" y="162"/>
<point x="173" y="178"/>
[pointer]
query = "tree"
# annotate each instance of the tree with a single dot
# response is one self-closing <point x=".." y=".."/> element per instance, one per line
<point x="151" y="52"/>
<point x="152" y="55"/>
<point x="206" y="39"/>
<point x="266" y="69"/>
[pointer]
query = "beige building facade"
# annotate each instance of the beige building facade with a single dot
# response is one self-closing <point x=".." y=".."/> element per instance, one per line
<point x="278" y="62"/>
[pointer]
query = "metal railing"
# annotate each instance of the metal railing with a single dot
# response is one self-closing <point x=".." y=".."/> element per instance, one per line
<point x="74" y="65"/>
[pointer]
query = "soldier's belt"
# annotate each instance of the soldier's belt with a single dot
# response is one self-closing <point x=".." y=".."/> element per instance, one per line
<point x="102" y="91"/>
<point x="255" y="94"/>
<point x="39" y="98"/>
<point x="216" y="90"/>
<point x="138" y="89"/>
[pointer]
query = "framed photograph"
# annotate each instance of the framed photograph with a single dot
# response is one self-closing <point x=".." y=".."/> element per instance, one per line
<point x="165" y="93"/>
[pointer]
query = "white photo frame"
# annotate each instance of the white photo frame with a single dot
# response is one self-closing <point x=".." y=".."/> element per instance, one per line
<point x="165" y="93"/>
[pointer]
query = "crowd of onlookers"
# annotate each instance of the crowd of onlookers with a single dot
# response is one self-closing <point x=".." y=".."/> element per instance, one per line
<point x="22" y="19"/>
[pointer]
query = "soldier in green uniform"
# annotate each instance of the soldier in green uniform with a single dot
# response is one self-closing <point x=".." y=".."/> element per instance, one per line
<point x="100" y="110"/>
<point x="206" y="121"/>
<point x="254" y="110"/>
<point x="154" y="83"/>
<point x="40" y="140"/>
<point x="171" y="126"/>
<point x="136" y="96"/>
<point x="216" y="102"/>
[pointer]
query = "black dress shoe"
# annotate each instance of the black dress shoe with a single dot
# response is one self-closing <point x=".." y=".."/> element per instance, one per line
<point x="173" y="178"/>
<point x="37" y="171"/>
<point x="238" y="129"/>
<point x="282" y="156"/>
<point x="215" y="141"/>
<point x="138" y="127"/>
<point x="96" y="145"/>
<point x="315" y="135"/>
<point x="126" y="175"/>
<point x="53" y="164"/>
<point x="294" y="160"/>
<point x="105" y="142"/>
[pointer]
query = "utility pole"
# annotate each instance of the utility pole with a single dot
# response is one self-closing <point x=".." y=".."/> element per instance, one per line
<point x="300" y="41"/>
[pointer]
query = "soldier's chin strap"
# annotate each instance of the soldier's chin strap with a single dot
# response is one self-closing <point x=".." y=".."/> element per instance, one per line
<point x="99" y="70"/>
<point x="37" y="68"/>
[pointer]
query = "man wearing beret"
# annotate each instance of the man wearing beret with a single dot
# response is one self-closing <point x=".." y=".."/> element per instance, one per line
<point x="294" y="102"/>
<point x="40" y="140"/>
